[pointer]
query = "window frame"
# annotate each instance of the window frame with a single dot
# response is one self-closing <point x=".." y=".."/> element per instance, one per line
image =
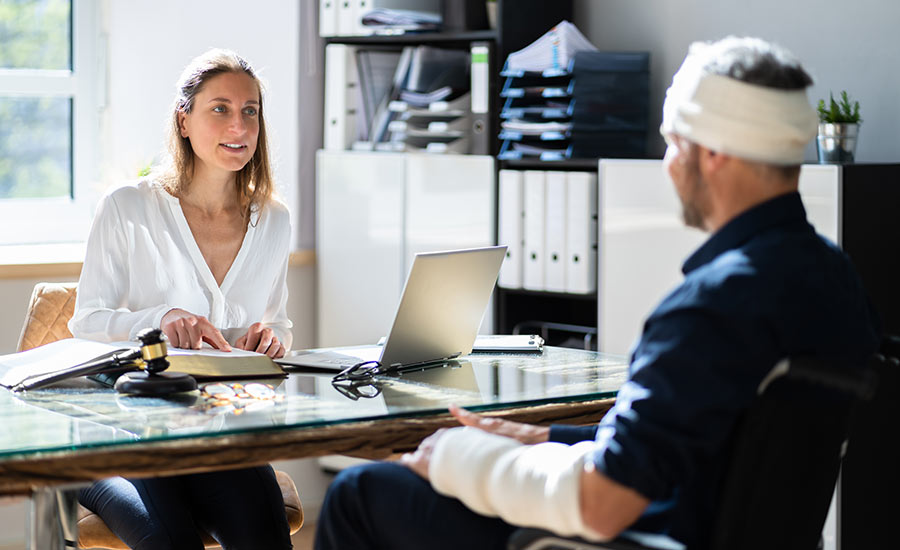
<point x="32" y="221"/>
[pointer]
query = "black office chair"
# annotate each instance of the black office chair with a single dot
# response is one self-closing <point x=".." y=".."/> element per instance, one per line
<point x="785" y="455"/>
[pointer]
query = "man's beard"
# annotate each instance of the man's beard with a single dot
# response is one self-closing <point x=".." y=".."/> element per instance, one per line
<point x="691" y="210"/>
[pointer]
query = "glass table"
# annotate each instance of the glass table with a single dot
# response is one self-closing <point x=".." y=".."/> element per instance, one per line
<point x="76" y="432"/>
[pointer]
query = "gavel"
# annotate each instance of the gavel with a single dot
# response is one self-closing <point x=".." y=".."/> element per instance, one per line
<point x="152" y="378"/>
<point x="150" y="358"/>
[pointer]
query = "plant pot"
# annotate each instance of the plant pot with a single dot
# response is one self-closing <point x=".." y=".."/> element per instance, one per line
<point x="836" y="143"/>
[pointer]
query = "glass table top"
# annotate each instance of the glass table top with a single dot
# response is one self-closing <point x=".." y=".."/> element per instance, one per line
<point x="80" y="414"/>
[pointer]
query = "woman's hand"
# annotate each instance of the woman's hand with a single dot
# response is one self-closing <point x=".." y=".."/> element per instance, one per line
<point x="188" y="331"/>
<point x="261" y="339"/>
<point x="525" y="433"/>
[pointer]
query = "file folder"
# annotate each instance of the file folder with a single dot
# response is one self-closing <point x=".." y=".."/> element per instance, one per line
<point x="346" y="17"/>
<point x="341" y="97"/>
<point x="535" y="199"/>
<point x="510" y="228"/>
<point x="362" y="8"/>
<point x="328" y="17"/>
<point x="581" y="233"/>
<point x="555" y="256"/>
<point x="480" y="90"/>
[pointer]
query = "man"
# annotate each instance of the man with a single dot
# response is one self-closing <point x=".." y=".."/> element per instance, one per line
<point x="763" y="287"/>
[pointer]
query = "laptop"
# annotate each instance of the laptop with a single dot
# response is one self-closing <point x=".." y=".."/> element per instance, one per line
<point x="441" y="307"/>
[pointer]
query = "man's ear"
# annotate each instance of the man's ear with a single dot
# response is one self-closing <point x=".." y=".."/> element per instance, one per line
<point x="181" y="126"/>
<point x="710" y="161"/>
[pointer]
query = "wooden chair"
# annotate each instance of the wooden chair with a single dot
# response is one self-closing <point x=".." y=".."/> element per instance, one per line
<point x="51" y="307"/>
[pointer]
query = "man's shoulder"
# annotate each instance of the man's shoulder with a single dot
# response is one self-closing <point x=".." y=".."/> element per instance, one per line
<point x="764" y="272"/>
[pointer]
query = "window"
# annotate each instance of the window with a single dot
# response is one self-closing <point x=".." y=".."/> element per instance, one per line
<point x="49" y="118"/>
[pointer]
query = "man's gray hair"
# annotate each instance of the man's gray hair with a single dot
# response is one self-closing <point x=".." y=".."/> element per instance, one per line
<point x="756" y="61"/>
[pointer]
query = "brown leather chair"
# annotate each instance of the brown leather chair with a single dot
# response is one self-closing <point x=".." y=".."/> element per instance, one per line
<point x="51" y="307"/>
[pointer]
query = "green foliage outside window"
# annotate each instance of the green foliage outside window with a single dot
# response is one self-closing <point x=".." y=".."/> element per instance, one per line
<point x="35" y="132"/>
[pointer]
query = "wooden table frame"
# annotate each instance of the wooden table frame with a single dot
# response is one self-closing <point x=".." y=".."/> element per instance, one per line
<point x="376" y="439"/>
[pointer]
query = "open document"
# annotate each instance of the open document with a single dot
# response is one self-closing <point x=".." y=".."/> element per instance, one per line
<point x="204" y="364"/>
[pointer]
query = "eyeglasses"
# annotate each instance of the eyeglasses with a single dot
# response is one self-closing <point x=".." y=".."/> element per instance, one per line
<point x="360" y="371"/>
<point x="358" y="389"/>
<point x="369" y="369"/>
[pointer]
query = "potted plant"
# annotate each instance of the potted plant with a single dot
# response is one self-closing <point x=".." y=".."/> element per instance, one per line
<point x="838" y="129"/>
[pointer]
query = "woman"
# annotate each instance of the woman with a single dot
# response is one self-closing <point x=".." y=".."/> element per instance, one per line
<point x="200" y="250"/>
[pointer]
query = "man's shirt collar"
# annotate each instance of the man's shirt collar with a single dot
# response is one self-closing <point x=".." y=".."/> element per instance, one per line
<point x="782" y="210"/>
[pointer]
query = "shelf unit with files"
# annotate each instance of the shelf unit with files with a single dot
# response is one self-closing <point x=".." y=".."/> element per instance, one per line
<point x="391" y="174"/>
<point x="519" y="22"/>
<point x="547" y="216"/>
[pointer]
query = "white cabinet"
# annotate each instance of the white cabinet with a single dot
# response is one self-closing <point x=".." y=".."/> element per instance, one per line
<point x="375" y="211"/>
<point x="643" y="241"/>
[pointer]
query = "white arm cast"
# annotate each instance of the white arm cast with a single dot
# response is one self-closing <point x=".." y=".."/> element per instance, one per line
<point x="526" y="485"/>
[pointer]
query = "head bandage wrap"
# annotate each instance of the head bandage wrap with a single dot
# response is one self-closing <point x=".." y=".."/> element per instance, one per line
<point x="726" y="115"/>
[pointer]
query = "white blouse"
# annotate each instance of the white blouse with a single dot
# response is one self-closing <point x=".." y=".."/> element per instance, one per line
<point x="142" y="261"/>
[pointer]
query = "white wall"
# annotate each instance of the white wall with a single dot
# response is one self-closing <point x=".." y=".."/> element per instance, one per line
<point x="850" y="46"/>
<point x="150" y="42"/>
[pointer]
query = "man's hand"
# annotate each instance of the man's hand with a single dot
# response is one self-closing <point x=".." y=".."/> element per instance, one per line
<point x="419" y="460"/>
<point x="188" y="331"/>
<point x="261" y="339"/>
<point x="524" y="433"/>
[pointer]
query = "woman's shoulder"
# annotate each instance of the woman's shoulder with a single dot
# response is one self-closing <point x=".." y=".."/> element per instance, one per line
<point x="135" y="191"/>
<point x="142" y="199"/>
<point x="275" y="212"/>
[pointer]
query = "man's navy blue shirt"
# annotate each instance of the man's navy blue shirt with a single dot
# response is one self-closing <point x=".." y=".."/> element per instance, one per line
<point x="762" y="288"/>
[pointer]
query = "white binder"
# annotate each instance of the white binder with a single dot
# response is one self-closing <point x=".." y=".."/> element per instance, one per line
<point x="362" y="7"/>
<point x="555" y="254"/>
<point x="510" y="226"/>
<point x="328" y="17"/>
<point x="341" y="89"/>
<point x="346" y="19"/>
<point x="535" y="197"/>
<point x="581" y="232"/>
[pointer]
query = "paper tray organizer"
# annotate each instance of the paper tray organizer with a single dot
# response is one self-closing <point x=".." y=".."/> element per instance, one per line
<point x="596" y="107"/>
<point x="442" y="127"/>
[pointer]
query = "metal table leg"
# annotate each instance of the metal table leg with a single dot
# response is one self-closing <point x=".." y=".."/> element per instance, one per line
<point x="51" y="521"/>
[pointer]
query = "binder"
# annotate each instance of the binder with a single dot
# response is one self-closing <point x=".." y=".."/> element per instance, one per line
<point x="480" y="90"/>
<point x="555" y="256"/>
<point x="328" y="17"/>
<point x="534" y="233"/>
<point x="362" y="8"/>
<point x="510" y="227"/>
<point x="341" y="91"/>
<point x="346" y="17"/>
<point x="581" y="233"/>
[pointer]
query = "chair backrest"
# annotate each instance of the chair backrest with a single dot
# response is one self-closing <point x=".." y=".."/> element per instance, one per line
<point x="785" y="457"/>
<point x="49" y="311"/>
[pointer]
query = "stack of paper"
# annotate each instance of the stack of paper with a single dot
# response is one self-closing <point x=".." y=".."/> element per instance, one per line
<point x="424" y="99"/>
<point x="408" y="20"/>
<point x="526" y="127"/>
<point x="554" y="50"/>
